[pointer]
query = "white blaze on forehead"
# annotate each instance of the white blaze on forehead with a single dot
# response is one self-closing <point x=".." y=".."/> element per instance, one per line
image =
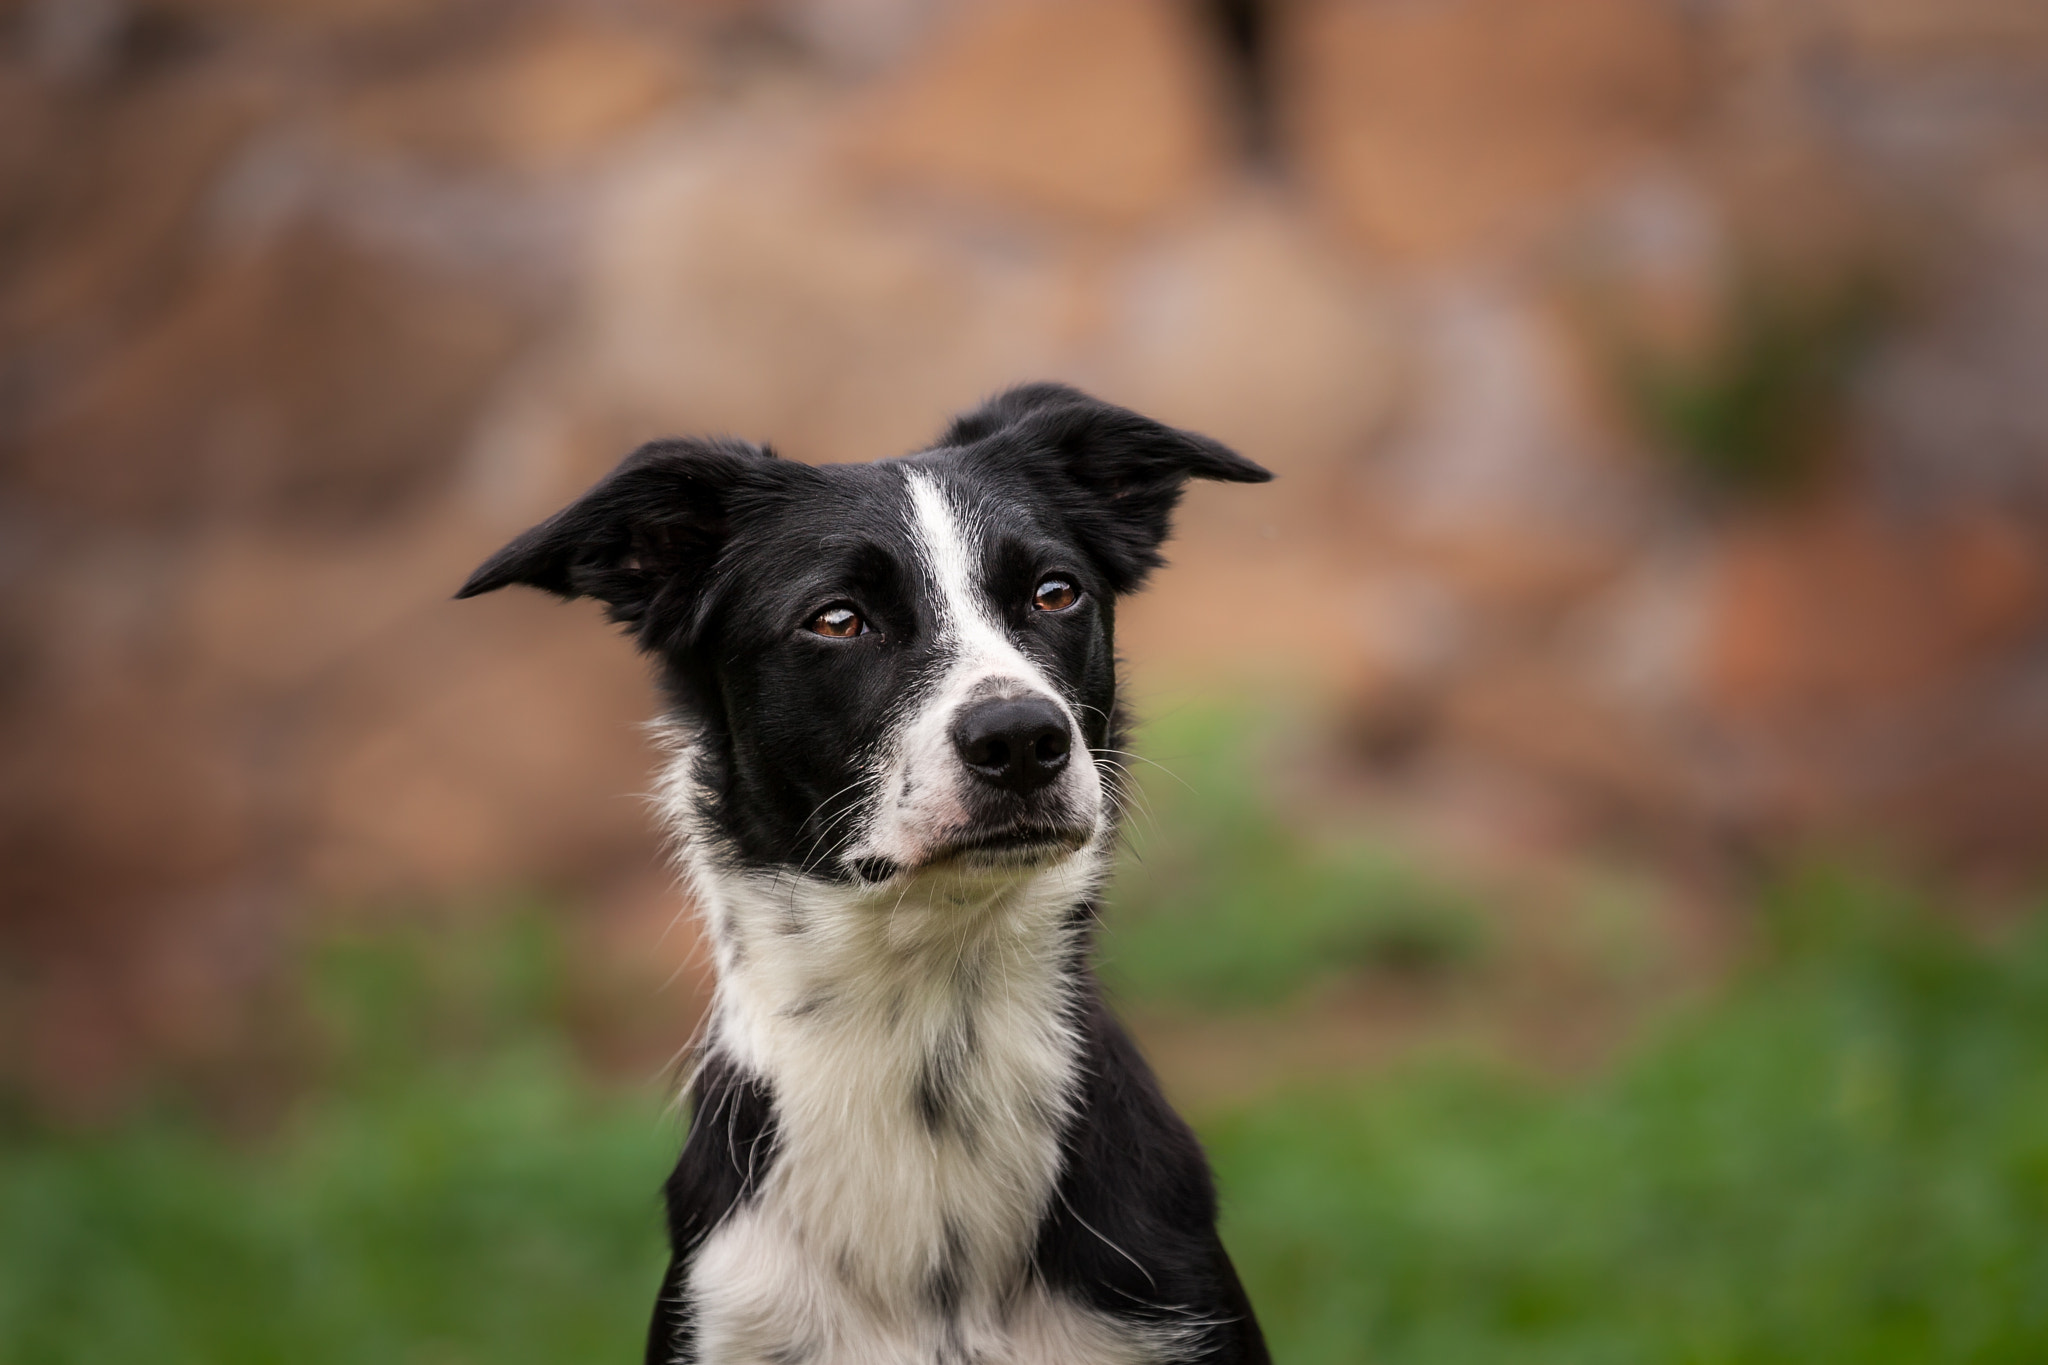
<point x="948" y="540"/>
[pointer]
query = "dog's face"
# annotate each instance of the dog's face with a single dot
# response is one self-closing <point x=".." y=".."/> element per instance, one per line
<point x="894" y="666"/>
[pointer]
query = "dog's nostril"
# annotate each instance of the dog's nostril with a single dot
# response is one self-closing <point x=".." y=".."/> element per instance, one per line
<point x="1016" y="743"/>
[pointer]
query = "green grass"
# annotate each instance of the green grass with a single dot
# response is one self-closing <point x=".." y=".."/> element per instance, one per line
<point x="1224" y="903"/>
<point x="1844" y="1159"/>
<point x="455" y="1190"/>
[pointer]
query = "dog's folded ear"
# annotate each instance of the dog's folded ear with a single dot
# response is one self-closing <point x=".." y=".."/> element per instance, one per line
<point x="1118" y="475"/>
<point x="1010" y="407"/>
<point x="645" y="539"/>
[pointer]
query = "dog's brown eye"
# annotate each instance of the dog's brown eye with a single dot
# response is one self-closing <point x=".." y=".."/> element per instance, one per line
<point x="838" y="621"/>
<point x="1055" y="594"/>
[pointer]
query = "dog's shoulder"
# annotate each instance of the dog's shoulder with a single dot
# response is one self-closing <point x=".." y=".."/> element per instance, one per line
<point x="731" y="1144"/>
<point x="730" y="1147"/>
<point x="1131" y="1231"/>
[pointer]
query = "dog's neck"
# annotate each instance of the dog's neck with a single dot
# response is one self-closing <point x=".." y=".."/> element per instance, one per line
<point x="792" y="948"/>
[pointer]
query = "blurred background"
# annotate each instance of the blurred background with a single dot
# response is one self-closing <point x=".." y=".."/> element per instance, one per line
<point x="1587" y="892"/>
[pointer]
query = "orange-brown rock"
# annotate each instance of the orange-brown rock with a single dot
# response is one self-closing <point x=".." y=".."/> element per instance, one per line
<point x="1430" y="129"/>
<point x="309" y="380"/>
<point x="1096" y="112"/>
<point x="1845" y="610"/>
<point x="548" y="93"/>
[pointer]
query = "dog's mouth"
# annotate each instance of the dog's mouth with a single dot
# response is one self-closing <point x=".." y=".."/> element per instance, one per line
<point x="1011" y="843"/>
<point x="1023" y="844"/>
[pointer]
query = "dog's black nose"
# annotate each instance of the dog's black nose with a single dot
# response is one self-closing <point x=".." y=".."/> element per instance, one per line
<point x="1016" y="743"/>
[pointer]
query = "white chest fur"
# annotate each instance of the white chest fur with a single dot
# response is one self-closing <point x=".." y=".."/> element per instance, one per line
<point x="921" y="1057"/>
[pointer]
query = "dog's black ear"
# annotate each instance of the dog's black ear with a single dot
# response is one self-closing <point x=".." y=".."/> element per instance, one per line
<point x="1008" y="408"/>
<point x="1120" y="474"/>
<point x="645" y="539"/>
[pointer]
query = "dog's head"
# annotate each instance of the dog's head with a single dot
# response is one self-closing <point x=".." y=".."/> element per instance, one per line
<point x="893" y="666"/>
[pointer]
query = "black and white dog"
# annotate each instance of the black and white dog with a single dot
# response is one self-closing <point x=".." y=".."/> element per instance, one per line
<point x="917" y="1134"/>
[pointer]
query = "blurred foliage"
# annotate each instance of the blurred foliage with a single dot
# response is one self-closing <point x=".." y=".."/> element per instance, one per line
<point x="1225" y="902"/>
<point x="1844" y="1158"/>
<point x="454" y="1189"/>
<point x="1846" y="1161"/>
<point x="1759" y="409"/>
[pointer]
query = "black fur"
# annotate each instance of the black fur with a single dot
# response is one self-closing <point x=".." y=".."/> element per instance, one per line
<point x="1132" y="1228"/>
<point x="713" y="555"/>
<point x="729" y="1149"/>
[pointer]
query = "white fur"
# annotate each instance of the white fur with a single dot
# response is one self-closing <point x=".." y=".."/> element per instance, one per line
<point x="841" y="997"/>
<point x="840" y="1001"/>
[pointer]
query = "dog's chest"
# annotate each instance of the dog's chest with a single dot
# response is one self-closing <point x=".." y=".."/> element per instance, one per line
<point x="921" y="1068"/>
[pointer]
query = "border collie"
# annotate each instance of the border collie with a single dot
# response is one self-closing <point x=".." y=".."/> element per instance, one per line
<point x="917" y="1134"/>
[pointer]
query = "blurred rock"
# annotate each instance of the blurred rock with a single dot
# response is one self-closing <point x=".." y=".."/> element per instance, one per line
<point x="309" y="383"/>
<point x="542" y="97"/>
<point x="1246" y="323"/>
<point x="305" y="307"/>
<point x="861" y="35"/>
<point x="1431" y="129"/>
<point x="1924" y="119"/>
<point x="1841" y="609"/>
<point x="1101" y="112"/>
<point x="742" y="284"/>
